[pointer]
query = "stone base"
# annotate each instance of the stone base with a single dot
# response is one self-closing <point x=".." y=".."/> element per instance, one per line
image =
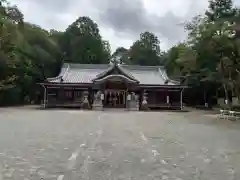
<point x="85" y="106"/>
<point x="133" y="106"/>
<point x="97" y="106"/>
<point x="144" y="107"/>
<point x="133" y="109"/>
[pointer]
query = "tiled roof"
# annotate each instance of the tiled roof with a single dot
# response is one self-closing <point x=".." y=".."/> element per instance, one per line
<point x="148" y="75"/>
<point x="79" y="73"/>
<point x="86" y="73"/>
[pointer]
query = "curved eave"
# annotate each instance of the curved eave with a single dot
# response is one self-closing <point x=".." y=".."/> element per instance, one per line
<point x="114" y="76"/>
<point x="64" y="84"/>
<point x="59" y="77"/>
<point x="166" y="78"/>
<point x="53" y="78"/>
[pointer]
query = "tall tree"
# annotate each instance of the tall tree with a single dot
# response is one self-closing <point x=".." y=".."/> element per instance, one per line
<point x="211" y="37"/>
<point x="181" y="61"/>
<point x="146" y="51"/>
<point x="10" y="22"/>
<point x="27" y="56"/>
<point x="83" y="43"/>
<point x="221" y="16"/>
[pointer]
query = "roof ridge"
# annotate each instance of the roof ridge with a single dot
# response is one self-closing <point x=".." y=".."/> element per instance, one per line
<point x="78" y="65"/>
<point x="87" y="66"/>
<point x="64" y="74"/>
<point x="164" y="77"/>
<point x="139" y="67"/>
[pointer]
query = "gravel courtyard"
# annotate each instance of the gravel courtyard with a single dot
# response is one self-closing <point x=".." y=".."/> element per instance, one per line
<point x="75" y="145"/>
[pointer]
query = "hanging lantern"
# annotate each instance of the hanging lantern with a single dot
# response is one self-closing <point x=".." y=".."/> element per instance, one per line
<point x="129" y="97"/>
<point x="102" y="97"/>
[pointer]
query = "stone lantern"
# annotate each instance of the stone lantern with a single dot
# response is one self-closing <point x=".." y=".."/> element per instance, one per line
<point x="85" y="103"/>
<point x="97" y="103"/>
<point x="144" y="101"/>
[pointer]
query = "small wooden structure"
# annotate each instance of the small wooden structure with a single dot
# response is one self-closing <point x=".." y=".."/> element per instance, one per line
<point x="102" y="86"/>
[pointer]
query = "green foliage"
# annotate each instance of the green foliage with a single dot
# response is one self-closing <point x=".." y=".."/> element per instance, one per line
<point x="27" y="56"/>
<point x="220" y="10"/>
<point x="146" y="51"/>
<point x="82" y="43"/>
<point x="213" y="49"/>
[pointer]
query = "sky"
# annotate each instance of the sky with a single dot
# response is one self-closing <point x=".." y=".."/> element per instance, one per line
<point x="120" y="21"/>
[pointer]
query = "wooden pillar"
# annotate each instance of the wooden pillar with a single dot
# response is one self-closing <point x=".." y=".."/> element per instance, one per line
<point x="73" y="94"/>
<point x="90" y="96"/>
<point x="45" y="98"/>
<point x="141" y="97"/>
<point x="181" y="99"/>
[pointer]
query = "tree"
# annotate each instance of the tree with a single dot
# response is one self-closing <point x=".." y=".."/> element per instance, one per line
<point x="220" y="10"/>
<point x="145" y="51"/>
<point x="82" y="43"/>
<point x="222" y="14"/>
<point x="27" y="55"/>
<point x="121" y="56"/>
<point x="10" y="22"/>
<point x="211" y="37"/>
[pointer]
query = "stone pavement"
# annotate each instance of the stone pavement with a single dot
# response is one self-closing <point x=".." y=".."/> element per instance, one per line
<point x="75" y="145"/>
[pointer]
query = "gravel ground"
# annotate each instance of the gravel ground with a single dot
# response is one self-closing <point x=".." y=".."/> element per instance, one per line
<point x="75" y="145"/>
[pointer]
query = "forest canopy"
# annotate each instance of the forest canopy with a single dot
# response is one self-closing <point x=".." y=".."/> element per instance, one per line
<point x="29" y="54"/>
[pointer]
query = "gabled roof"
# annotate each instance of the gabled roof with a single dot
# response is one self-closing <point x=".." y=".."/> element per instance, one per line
<point x="87" y="73"/>
<point x="122" y="71"/>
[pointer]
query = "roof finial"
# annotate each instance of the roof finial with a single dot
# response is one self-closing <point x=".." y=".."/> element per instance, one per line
<point x="115" y="60"/>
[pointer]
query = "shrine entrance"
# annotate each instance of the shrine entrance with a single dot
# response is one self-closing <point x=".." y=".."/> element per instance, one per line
<point x="115" y="94"/>
<point x="115" y="99"/>
<point x="114" y="84"/>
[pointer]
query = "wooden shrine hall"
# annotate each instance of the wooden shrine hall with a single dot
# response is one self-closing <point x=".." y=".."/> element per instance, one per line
<point x="99" y="86"/>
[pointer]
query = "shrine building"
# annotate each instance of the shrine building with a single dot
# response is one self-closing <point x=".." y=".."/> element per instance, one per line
<point x="100" y="86"/>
